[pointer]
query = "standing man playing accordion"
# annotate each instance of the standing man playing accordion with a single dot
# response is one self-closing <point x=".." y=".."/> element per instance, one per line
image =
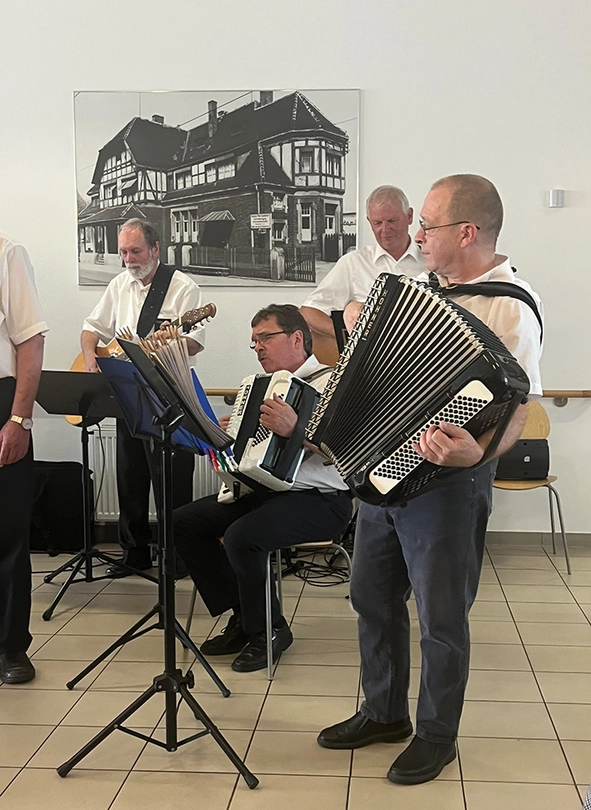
<point x="231" y="575"/>
<point x="434" y="544"/>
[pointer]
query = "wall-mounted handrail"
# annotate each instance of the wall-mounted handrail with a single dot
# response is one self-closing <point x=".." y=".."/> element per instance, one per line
<point x="560" y="397"/>
<point x="567" y="394"/>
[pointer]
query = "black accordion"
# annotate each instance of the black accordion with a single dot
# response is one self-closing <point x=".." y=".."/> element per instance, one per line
<point x="413" y="360"/>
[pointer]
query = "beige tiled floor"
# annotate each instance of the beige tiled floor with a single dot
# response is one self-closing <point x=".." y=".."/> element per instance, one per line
<point x="525" y="737"/>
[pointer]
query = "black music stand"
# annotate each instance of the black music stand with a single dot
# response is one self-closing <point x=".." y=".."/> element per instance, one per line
<point x="152" y="406"/>
<point x="90" y="396"/>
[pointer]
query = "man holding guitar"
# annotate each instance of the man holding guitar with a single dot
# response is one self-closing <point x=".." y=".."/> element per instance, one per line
<point x="143" y="297"/>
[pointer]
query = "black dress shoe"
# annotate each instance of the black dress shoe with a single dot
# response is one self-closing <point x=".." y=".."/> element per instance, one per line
<point x="231" y="640"/>
<point x="254" y="655"/>
<point x="359" y="730"/>
<point x="137" y="563"/>
<point x="16" y="668"/>
<point x="421" y="762"/>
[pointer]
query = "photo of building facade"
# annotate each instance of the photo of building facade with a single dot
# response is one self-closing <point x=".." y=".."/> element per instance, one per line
<point x="255" y="192"/>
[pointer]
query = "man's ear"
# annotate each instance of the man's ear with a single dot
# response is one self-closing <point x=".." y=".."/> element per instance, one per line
<point x="410" y="216"/>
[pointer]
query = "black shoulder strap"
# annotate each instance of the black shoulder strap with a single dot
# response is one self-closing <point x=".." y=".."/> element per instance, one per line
<point x="495" y="288"/>
<point x="154" y="299"/>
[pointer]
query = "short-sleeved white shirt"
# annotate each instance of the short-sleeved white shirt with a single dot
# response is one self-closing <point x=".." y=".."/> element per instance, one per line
<point x="21" y="316"/>
<point x="314" y="472"/>
<point x="511" y="320"/>
<point x="353" y="275"/>
<point x="124" y="298"/>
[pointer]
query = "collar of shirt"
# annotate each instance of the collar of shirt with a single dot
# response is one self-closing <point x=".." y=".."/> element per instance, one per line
<point x="309" y="367"/>
<point x="413" y="251"/>
<point x="500" y="272"/>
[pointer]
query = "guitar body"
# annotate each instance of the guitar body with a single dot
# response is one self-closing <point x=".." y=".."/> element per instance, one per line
<point x="113" y="349"/>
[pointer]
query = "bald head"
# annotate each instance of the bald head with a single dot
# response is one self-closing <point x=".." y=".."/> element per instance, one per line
<point x="474" y="199"/>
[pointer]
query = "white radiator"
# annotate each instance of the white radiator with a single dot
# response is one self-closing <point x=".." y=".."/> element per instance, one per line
<point x="103" y="457"/>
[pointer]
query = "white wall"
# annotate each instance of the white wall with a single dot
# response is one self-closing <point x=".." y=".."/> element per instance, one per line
<point x="500" y="89"/>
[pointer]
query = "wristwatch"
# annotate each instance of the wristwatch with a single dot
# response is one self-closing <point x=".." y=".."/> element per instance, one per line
<point x="24" y="421"/>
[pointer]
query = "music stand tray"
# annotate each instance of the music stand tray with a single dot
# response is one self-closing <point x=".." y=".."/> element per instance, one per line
<point x="151" y="405"/>
<point x="91" y="397"/>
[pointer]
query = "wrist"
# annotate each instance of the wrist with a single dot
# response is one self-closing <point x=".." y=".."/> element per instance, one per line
<point x="24" y="421"/>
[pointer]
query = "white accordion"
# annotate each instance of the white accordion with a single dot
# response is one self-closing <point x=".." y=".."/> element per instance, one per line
<point x="260" y="457"/>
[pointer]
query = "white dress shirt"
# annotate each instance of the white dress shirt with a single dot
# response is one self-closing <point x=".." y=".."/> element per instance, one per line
<point x="353" y="275"/>
<point x="124" y="298"/>
<point x="511" y="320"/>
<point x="314" y="471"/>
<point x="21" y="316"/>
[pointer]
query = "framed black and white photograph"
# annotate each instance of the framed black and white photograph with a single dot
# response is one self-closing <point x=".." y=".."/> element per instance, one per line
<point x="246" y="188"/>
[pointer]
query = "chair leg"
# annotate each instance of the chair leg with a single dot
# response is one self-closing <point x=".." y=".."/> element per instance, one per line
<point x="269" y="616"/>
<point x="191" y="609"/>
<point x="552" y="523"/>
<point x="561" y="523"/>
<point x="338" y="549"/>
<point x="278" y="562"/>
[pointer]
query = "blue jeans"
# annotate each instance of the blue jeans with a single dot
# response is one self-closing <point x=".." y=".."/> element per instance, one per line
<point x="433" y="547"/>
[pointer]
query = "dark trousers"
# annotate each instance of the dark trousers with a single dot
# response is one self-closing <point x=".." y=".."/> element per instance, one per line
<point x="16" y="502"/>
<point x="232" y="575"/>
<point x="433" y="547"/>
<point x="137" y="467"/>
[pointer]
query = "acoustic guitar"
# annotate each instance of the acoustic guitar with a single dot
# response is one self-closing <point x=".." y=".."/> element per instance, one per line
<point x="113" y="349"/>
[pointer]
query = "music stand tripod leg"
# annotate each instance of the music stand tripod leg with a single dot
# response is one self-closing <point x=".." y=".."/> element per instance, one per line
<point x="189" y="644"/>
<point x="47" y="614"/>
<point x="172" y="681"/>
<point x="131" y="634"/>
<point x="85" y="557"/>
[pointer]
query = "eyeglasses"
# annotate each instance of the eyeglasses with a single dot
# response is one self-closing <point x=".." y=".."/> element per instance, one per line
<point x="262" y="339"/>
<point x="426" y="228"/>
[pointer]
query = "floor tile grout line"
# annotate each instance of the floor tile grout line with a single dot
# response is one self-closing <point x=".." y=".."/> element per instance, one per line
<point x="541" y="691"/>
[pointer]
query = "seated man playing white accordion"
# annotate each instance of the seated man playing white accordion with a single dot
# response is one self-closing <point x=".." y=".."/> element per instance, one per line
<point x="231" y="575"/>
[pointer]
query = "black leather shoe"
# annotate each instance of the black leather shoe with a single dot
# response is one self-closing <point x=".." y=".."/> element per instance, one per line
<point x="16" y="668"/>
<point x="359" y="730"/>
<point x="254" y="655"/>
<point x="231" y="640"/>
<point x="138" y="563"/>
<point x="421" y="762"/>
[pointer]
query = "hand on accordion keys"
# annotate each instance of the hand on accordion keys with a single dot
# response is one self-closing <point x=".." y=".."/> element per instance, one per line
<point x="279" y="417"/>
<point x="449" y="446"/>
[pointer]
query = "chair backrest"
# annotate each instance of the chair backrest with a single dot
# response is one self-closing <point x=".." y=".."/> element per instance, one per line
<point x="537" y="424"/>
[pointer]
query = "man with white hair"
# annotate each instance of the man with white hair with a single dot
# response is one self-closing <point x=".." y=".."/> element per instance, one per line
<point x="348" y="283"/>
<point x="131" y="301"/>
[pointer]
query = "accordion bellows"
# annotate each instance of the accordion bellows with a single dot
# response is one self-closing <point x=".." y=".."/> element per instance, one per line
<point x="413" y="360"/>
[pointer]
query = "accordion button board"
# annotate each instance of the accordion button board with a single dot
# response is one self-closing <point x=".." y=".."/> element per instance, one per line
<point x="414" y="359"/>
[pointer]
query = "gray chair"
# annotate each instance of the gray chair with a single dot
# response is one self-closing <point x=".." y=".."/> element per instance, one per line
<point x="321" y="545"/>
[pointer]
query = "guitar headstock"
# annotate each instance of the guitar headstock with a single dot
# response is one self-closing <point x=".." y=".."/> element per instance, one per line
<point x="195" y="316"/>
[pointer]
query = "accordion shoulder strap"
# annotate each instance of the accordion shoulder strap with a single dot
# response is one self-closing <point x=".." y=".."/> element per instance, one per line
<point x="496" y="288"/>
<point x="320" y="372"/>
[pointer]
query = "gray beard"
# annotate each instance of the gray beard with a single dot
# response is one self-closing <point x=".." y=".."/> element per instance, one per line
<point x="140" y="273"/>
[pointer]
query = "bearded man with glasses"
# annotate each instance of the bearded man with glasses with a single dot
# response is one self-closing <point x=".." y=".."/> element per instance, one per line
<point x="231" y="576"/>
